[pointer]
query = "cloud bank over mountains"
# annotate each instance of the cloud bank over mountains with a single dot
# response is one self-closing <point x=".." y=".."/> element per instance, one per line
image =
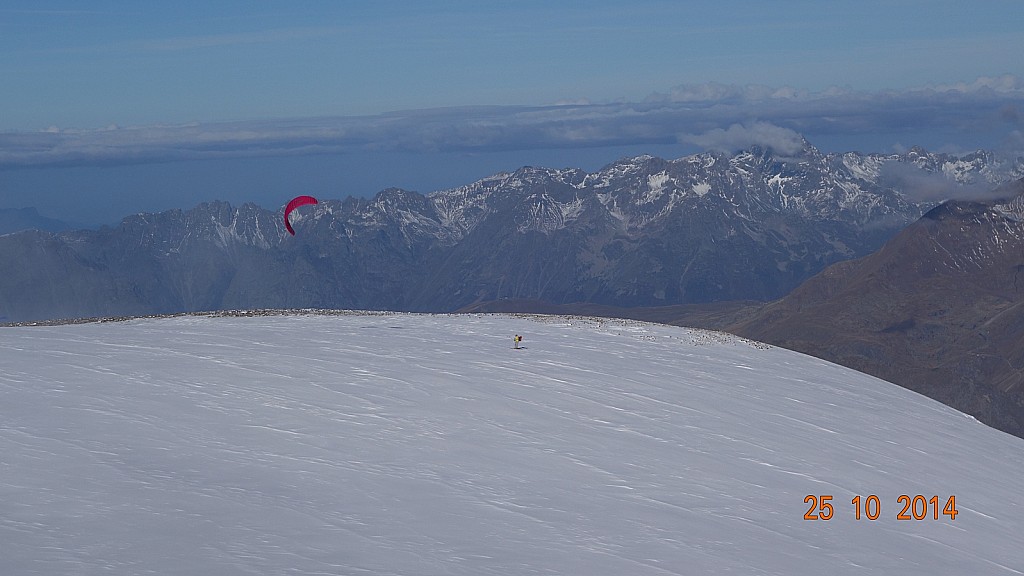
<point x="764" y="134"/>
<point x="711" y="116"/>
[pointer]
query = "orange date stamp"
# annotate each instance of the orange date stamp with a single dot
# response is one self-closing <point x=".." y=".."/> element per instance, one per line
<point x="916" y="507"/>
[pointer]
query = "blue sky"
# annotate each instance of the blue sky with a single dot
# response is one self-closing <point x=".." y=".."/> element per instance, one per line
<point x="149" y="106"/>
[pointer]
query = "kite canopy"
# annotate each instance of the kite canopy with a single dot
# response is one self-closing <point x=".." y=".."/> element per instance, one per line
<point x="295" y="203"/>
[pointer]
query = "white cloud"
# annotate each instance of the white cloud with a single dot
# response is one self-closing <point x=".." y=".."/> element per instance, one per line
<point x="714" y="92"/>
<point x="709" y="115"/>
<point x="921" y="186"/>
<point x="782" y="141"/>
<point x="1005" y="84"/>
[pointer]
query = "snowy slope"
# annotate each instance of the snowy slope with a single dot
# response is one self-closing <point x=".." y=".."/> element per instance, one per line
<point x="416" y="444"/>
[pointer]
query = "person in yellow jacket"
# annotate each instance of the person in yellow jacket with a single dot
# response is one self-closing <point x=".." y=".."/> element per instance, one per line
<point x="516" y="341"/>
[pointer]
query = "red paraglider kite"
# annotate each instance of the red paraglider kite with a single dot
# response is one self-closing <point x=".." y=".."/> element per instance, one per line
<point x="295" y="203"/>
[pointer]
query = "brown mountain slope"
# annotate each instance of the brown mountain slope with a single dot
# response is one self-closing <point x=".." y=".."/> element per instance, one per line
<point x="939" y="309"/>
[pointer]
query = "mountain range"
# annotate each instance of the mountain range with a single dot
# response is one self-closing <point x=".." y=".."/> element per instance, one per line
<point x="642" y="231"/>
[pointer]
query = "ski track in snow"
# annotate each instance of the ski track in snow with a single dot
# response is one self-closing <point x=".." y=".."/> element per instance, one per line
<point x="423" y="444"/>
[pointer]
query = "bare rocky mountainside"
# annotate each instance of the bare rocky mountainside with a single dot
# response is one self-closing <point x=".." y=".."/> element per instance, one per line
<point x="640" y="232"/>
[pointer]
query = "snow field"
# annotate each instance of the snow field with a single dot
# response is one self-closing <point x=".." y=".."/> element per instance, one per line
<point x="424" y="444"/>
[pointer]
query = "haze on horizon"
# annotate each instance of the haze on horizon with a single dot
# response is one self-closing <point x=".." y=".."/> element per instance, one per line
<point x="113" y="110"/>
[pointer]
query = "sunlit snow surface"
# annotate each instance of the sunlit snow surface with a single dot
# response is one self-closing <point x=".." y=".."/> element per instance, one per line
<point x="426" y="445"/>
